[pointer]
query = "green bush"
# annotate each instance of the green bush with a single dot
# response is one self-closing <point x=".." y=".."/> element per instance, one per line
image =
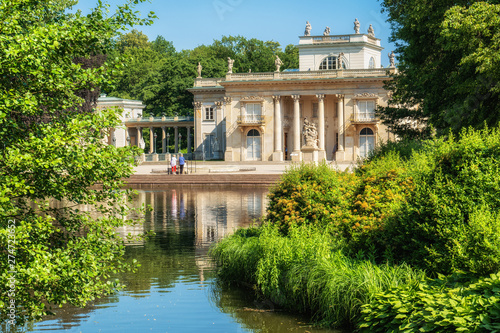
<point x="441" y="305"/>
<point x="450" y="221"/>
<point x="435" y="208"/>
<point x="351" y="206"/>
<point x="310" y="194"/>
<point x="404" y="149"/>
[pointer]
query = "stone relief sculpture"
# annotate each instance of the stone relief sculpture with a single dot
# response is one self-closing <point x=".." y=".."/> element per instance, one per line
<point x="310" y="134"/>
<point x="356" y="26"/>
<point x="308" y="29"/>
<point x="278" y="63"/>
<point x="392" y="62"/>
<point x="326" y="32"/>
<point x="199" y="71"/>
<point x="371" y="32"/>
<point x="230" y="63"/>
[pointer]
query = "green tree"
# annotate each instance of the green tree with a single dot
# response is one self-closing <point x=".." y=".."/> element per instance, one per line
<point x="52" y="64"/>
<point x="290" y="57"/>
<point x="141" y="75"/>
<point x="159" y="76"/>
<point x="448" y="66"/>
<point x="133" y="39"/>
<point x="171" y="96"/>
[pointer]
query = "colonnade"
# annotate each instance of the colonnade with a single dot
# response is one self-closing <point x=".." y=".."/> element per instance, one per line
<point x="164" y="138"/>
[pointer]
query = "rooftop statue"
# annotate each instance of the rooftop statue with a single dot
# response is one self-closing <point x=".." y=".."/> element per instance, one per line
<point x="278" y="63"/>
<point x="230" y="63"/>
<point x="356" y="26"/>
<point x="371" y="32"/>
<point x="199" y="71"/>
<point x="326" y="32"/>
<point x="308" y="29"/>
<point x="392" y="58"/>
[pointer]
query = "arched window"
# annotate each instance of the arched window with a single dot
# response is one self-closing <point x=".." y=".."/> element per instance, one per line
<point x="331" y="62"/>
<point x="366" y="142"/>
<point x="328" y="63"/>
<point x="253" y="145"/>
<point x="365" y="131"/>
<point x="253" y="132"/>
<point x="372" y="63"/>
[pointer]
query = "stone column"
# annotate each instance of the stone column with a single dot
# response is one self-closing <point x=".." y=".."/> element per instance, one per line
<point x="296" y="156"/>
<point x="139" y="140"/>
<point x="139" y="136"/>
<point x="127" y="137"/>
<point x="151" y="140"/>
<point x="340" y="113"/>
<point x="321" y="126"/>
<point x="227" y="142"/>
<point x="197" y="130"/>
<point x="189" y="140"/>
<point x="163" y="139"/>
<point x="176" y="135"/>
<point x="218" y="128"/>
<point x="278" y="130"/>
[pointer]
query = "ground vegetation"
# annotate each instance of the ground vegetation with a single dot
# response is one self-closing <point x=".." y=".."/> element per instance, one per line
<point x="412" y="232"/>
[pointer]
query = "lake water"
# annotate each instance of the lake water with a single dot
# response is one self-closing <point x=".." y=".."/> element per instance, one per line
<point x="175" y="288"/>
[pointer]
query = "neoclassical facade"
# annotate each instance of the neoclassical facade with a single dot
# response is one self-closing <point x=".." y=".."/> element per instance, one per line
<point x="323" y="110"/>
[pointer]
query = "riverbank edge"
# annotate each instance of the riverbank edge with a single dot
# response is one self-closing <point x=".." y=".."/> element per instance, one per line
<point x="161" y="180"/>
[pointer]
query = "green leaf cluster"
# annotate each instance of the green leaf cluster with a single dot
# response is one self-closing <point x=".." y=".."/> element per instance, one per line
<point x="59" y="180"/>
<point x="450" y="222"/>
<point x="454" y="304"/>
<point x="449" y="74"/>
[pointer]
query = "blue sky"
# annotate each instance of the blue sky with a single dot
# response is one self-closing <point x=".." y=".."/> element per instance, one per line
<point x="195" y="22"/>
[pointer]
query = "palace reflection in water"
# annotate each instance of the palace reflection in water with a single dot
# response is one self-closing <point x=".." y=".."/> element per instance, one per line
<point x="174" y="289"/>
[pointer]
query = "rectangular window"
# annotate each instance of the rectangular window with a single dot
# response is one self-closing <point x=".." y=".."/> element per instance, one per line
<point x="253" y="112"/>
<point x="254" y="109"/>
<point x="366" y="110"/>
<point x="209" y="113"/>
<point x="315" y="110"/>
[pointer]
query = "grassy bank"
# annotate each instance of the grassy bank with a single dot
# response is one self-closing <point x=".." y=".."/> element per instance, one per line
<point x="416" y="224"/>
<point x="306" y="271"/>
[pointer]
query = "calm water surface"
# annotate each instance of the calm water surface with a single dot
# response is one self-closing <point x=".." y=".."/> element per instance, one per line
<point x="174" y="290"/>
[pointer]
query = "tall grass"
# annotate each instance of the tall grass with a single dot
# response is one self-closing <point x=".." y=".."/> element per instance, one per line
<point x="306" y="271"/>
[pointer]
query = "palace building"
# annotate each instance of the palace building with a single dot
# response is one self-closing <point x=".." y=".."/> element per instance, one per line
<point x="323" y="110"/>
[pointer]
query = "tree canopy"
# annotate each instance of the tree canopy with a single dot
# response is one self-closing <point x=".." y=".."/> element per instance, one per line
<point x="159" y="75"/>
<point x="55" y="249"/>
<point x="448" y="66"/>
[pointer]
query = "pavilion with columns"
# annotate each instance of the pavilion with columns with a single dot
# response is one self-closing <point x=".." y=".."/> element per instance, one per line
<point x="323" y="110"/>
<point x="131" y="133"/>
